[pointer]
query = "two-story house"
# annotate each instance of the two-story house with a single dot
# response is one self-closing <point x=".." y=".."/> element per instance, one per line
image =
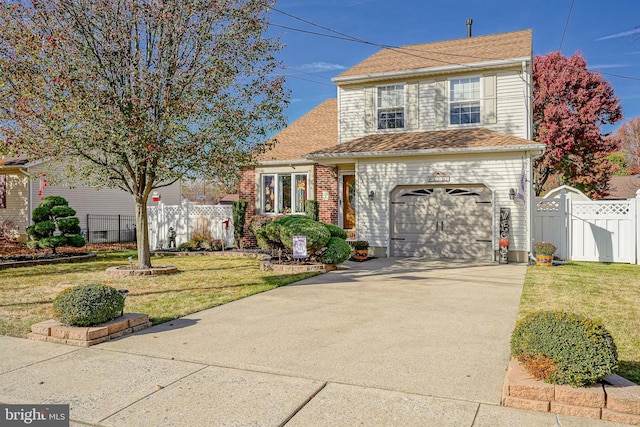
<point x="432" y="153"/>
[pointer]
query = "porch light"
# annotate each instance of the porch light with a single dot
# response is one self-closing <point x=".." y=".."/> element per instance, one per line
<point x="372" y="195"/>
<point x="512" y="194"/>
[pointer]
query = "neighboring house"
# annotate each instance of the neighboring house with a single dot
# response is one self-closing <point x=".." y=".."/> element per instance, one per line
<point x="432" y="144"/>
<point x="25" y="184"/>
<point x="623" y="187"/>
<point x="228" y="199"/>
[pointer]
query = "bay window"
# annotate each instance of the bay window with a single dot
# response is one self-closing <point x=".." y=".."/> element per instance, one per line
<point x="284" y="193"/>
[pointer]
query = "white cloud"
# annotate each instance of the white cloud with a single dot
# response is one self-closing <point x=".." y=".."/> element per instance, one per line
<point x="319" y="67"/>
<point x="635" y="31"/>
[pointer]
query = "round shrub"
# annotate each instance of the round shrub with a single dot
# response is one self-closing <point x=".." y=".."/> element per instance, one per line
<point x="316" y="233"/>
<point x="76" y="241"/>
<point x="262" y="240"/>
<point x="336" y="231"/>
<point x="337" y="252"/>
<point x="574" y="350"/>
<point x="87" y="305"/>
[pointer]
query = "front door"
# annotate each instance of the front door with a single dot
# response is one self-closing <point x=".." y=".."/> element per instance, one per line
<point x="348" y="215"/>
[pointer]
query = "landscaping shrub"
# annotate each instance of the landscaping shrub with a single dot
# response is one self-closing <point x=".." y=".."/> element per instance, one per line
<point x="311" y="209"/>
<point x="317" y="234"/>
<point x="336" y="231"/>
<point x="87" y="305"/>
<point x="54" y="214"/>
<point x="239" y="211"/>
<point x="566" y="348"/>
<point x="257" y="222"/>
<point x="185" y="247"/>
<point x="261" y="239"/>
<point x="337" y="252"/>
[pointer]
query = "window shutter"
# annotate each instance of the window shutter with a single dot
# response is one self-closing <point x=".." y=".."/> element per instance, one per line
<point x="489" y="103"/>
<point x="370" y="109"/>
<point x="411" y="107"/>
<point x="441" y="104"/>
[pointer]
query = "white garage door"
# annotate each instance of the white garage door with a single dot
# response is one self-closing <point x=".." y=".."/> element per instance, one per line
<point x="442" y="222"/>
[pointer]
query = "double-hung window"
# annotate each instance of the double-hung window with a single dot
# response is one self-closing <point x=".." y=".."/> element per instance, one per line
<point x="390" y="106"/>
<point x="284" y="193"/>
<point x="464" y="101"/>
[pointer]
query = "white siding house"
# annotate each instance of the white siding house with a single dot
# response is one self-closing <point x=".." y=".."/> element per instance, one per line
<point x="26" y="187"/>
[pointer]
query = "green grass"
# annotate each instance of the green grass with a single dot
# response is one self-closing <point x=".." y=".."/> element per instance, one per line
<point x="610" y="292"/>
<point x="202" y="282"/>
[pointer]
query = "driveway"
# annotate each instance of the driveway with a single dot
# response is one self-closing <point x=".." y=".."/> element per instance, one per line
<point x="427" y="327"/>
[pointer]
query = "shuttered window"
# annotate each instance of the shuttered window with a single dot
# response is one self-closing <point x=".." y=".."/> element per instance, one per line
<point x="464" y="101"/>
<point x="390" y="106"/>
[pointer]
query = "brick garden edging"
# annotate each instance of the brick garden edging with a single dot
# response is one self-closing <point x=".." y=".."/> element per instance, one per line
<point x="54" y="331"/>
<point x="617" y="399"/>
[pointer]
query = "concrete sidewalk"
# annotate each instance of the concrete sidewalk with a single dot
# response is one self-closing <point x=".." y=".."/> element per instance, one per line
<point x="387" y="342"/>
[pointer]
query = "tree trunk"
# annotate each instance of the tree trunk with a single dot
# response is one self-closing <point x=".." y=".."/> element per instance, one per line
<point x="142" y="235"/>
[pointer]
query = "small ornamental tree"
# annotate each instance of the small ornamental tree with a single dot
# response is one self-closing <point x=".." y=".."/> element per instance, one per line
<point x="137" y="94"/>
<point x="570" y="106"/>
<point x="55" y="225"/>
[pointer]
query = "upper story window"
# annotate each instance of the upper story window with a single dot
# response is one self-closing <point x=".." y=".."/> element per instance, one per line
<point x="284" y="193"/>
<point x="464" y="101"/>
<point x="390" y="106"/>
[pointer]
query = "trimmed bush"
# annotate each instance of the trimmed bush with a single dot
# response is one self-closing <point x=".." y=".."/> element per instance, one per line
<point x="316" y="233"/>
<point x="239" y="211"/>
<point x="262" y="240"/>
<point x="336" y="231"/>
<point x="337" y="252"/>
<point x="87" y="305"/>
<point x="574" y="350"/>
<point x="54" y="225"/>
<point x="311" y="209"/>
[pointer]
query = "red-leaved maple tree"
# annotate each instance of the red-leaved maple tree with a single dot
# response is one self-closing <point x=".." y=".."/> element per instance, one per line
<point x="136" y="94"/>
<point x="570" y="106"/>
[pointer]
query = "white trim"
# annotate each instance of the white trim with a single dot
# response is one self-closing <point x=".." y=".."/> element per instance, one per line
<point x="277" y="191"/>
<point x="301" y="162"/>
<point x="421" y="72"/>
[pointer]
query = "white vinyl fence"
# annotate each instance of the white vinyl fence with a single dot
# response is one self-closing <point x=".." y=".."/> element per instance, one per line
<point x="187" y="218"/>
<point x="604" y="231"/>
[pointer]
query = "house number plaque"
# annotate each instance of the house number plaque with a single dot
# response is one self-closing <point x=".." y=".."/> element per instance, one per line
<point x="503" y="254"/>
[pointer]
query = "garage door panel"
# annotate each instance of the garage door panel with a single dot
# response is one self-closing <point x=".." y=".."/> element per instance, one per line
<point x="405" y="248"/>
<point x="442" y="222"/>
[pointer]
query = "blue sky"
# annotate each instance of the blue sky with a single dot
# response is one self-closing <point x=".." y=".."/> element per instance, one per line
<point x="607" y="34"/>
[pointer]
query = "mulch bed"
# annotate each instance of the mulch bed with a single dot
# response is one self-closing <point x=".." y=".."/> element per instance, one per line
<point x="20" y="252"/>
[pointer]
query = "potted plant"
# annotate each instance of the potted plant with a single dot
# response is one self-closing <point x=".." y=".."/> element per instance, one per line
<point x="544" y="253"/>
<point x="362" y="250"/>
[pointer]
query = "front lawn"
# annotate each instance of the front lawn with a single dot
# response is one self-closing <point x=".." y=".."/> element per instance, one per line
<point x="202" y="282"/>
<point x="610" y="292"/>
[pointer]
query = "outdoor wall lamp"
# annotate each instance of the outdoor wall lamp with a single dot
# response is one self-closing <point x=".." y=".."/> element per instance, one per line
<point x="372" y="194"/>
<point x="512" y="194"/>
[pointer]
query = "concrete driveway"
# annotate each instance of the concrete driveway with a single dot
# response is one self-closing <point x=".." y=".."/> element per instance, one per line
<point x="386" y="342"/>
<point x="432" y="328"/>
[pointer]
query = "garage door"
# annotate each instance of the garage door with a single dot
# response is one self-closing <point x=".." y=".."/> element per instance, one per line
<point x="442" y="222"/>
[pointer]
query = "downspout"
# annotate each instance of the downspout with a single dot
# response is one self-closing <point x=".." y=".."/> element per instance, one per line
<point x="527" y="100"/>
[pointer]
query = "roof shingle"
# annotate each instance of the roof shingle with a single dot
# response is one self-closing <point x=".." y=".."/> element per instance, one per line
<point x="473" y="139"/>
<point x="315" y="130"/>
<point x="470" y="50"/>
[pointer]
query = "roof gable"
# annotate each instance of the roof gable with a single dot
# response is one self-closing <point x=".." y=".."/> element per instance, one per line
<point x="316" y="130"/>
<point x="458" y="52"/>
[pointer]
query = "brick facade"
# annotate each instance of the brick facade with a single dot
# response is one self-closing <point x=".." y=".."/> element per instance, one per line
<point x="326" y="184"/>
<point x="247" y="192"/>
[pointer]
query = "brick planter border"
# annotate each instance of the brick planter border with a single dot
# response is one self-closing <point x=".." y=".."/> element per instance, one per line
<point x="56" y="332"/>
<point x="267" y="265"/>
<point x="125" y="271"/>
<point x="616" y="399"/>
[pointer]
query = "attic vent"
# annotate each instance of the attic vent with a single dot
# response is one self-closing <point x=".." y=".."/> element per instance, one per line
<point x="469" y="24"/>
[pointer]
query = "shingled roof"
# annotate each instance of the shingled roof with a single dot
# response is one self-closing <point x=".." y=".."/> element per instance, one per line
<point x="315" y="130"/>
<point x="623" y="187"/>
<point x="458" y="140"/>
<point x="470" y="50"/>
<point x="13" y="161"/>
